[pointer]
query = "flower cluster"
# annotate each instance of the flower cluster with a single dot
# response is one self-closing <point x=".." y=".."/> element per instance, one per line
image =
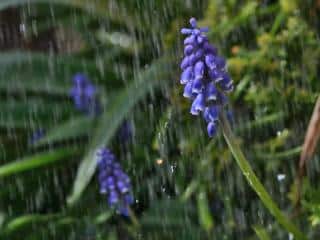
<point x="84" y="95"/>
<point x="204" y="75"/>
<point x="114" y="182"/>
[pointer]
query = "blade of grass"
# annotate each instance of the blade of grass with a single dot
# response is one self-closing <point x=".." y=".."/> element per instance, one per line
<point x="261" y="233"/>
<point x="35" y="161"/>
<point x="71" y="128"/>
<point x="255" y="183"/>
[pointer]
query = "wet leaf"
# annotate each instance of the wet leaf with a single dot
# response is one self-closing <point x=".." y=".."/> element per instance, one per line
<point x="35" y="161"/>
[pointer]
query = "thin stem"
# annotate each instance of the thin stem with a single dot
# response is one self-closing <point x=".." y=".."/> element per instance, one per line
<point x="133" y="218"/>
<point x="255" y="183"/>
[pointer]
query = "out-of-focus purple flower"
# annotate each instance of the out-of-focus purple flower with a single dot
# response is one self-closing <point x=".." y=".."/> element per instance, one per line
<point x="204" y="75"/>
<point x="125" y="132"/>
<point x="85" y="95"/>
<point x="37" y="135"/>
<point x="114" y="182"/>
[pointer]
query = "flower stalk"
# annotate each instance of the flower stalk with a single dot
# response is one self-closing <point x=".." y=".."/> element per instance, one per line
<point x="255" y="183"/>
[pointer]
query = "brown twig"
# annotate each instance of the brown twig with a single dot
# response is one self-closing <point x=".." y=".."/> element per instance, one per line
<point x="308" y="149"/>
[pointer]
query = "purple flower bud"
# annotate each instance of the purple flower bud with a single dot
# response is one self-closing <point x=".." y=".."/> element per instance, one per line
<point x="211" y="92"/>
<point x="186" y="31"/>
<point x="193" y="22"/>
<point x="196" y="32"/>
<point x="187" y="75"/>
<point x="193" y="58"/>
<point x="123" y="188"/>
<point x="211" y="113"/>
<point x="197" y="85"/>
<point x="199" y="54"/>
<point x="211" y="128"/>
<point x="216" y="75"/>
<point x="103" y="187"/>
<point x="190" y="40"/>
<point x="199" y="69"/>
<point x="188" y="49"/>
<point x="113" y="198"/>
<point x="198" y="104"/>
<point x="226" y="84"/>
<point x="188" y="90"/>
<point x="185" y="62"/>
<point x="200" y="39"/>
<point x="210" y="61"/>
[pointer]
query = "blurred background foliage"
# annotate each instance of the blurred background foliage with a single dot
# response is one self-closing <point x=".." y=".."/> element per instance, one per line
<point x="186" y="186"/>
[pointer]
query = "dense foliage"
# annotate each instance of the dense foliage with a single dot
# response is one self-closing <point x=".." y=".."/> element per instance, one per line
<point x="185" y="184"/>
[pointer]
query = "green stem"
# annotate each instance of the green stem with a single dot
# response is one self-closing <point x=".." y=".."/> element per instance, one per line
<point x="255" y="182"/>
<point x="133" y="218"/>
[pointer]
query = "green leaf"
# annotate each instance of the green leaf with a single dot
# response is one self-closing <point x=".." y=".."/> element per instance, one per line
<point x="22" y="221"/>
<point x="204" y="212"/>
<point x="103" y="217"/>
<point x="51" y="73"/>
<point x="31" y="113"/>
<point x="71" y="128"/>
<point x="7" y="58"/>
<point x="96" y="8"/>
<point x="79" y="3"/>
<point x="35" y="161"/>
<point x="111" y="119"/>
<point x="261" y="233"/>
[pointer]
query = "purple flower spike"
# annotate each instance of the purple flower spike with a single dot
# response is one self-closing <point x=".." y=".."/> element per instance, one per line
<point x="204" y="75"/>
<point x="114" y="182"/>
<point x="84" y="95"/>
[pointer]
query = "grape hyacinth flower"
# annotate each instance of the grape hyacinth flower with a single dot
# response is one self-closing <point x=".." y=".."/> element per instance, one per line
<point x="204" y="75"/>
<point x="114" y="182"/>
<point x="125" y="132"/>
<point x="36" y="136"/>
<point x="84" y="95"/>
